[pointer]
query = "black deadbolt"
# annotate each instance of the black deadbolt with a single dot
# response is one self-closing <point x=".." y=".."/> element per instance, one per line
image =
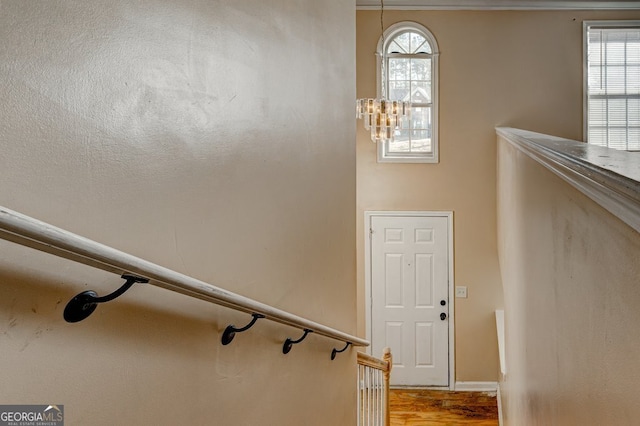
<point x="443" y="302"/>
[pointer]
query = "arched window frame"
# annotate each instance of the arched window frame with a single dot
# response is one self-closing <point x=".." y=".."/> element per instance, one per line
<point x="384" y="152"/>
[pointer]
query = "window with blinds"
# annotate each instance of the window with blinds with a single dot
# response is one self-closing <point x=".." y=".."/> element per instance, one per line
<point x="612" y="84"/>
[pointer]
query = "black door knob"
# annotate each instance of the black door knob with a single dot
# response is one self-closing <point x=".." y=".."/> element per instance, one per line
<point x="443" y="316"/>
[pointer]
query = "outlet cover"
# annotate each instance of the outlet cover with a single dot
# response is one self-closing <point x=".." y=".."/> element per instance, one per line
<point x="461" y="291"/>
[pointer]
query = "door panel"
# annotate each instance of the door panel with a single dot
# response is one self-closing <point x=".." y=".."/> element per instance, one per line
<point x="409" y="278"/>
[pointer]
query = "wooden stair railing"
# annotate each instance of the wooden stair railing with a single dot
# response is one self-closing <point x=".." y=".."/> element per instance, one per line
<point x="373" y="389"/>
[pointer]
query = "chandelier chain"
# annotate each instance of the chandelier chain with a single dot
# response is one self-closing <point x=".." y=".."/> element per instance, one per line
<point x="383" y="69"/>
<point x="382" y="116"/>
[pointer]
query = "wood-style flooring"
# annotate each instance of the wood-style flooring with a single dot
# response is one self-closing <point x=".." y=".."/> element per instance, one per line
<point x="420" y="407"/>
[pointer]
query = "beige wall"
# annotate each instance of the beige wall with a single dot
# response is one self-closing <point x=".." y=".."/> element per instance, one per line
<point x="572" y="302"/>
<point x="497" y="68"/>
<point x="211" y="137"/>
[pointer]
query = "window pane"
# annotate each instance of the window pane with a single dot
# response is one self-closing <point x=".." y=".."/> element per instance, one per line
<point x="402" y="41"/>
<point x="633" y="112"/>
<point x="421" y="141"/>
<point x="595" y="79"/>
<point x="614" y="80"/>
<point x="595" y="53"/>
<point x="420" y="69"/>
<point x="399" y="90"/>
<point x="425" y="47"/>
<point x="617" y="138"/>
<point x="401" y="143"/>
<point x="405" y="123"/>
<point x="420" y="92"/>
<point x="633" y="78"/>
<point x="634" y="139"/>
<point x="633" y="49"/>
<point x="394" y="47"/>
<point x="399" y="68"/>
<point x="416" y="41"/>
<point x="615" y="53"/>
<point x="598" y="136"/>
<point x="597" y="112"/>
<point x="421" y="118"/>
<point x="617" y="112"/>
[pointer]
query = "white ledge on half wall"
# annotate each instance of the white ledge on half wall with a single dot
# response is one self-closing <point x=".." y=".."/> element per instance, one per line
<point x="501" y="342"/>
<point x="609" y="177"/>
<point x="500" y="4"/>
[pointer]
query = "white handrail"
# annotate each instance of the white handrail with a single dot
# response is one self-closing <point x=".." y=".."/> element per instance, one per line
<point x="30" y="232"/>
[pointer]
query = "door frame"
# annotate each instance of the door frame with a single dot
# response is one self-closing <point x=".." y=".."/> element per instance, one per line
<point x="368" y="216"/>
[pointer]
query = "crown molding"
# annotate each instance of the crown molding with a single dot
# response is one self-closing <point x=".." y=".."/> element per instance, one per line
<point x="499" y="4"/>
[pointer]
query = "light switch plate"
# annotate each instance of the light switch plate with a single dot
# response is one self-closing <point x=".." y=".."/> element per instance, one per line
<point x="461" y="291"/>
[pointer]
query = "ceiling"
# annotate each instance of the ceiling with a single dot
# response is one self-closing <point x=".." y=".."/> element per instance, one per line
<point x="501" y="4"/>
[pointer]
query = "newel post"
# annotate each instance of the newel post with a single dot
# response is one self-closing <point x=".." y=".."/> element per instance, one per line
<point x="388" y="358"/>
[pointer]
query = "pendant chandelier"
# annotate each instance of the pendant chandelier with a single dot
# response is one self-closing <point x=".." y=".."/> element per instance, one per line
<point x="382" y="116"/>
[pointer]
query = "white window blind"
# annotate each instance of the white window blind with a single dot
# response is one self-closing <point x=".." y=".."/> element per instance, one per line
<point x="613" y="84"/>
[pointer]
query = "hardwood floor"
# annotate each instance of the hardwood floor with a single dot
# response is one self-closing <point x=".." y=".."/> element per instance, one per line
<point x="418" y="407"/>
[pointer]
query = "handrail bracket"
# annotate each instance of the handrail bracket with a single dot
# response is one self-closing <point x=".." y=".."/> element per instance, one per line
<point x="230" y="332"/>
<point x="83" y="304"/>
<point x="288" y="344"/>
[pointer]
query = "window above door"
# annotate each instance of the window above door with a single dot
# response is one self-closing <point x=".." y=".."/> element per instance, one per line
<point x="411" y="64"/>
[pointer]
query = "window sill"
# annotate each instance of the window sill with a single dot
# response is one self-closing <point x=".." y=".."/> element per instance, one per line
<point x="431" y="158"/>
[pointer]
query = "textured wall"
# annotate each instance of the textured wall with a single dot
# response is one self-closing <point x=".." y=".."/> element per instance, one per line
<point x="572" y="302"/>
<point x="497" y="68"/>
<point x="211" y="137"/>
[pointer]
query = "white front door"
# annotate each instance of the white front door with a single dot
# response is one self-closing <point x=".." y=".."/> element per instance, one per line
<point x="410" y="296"/>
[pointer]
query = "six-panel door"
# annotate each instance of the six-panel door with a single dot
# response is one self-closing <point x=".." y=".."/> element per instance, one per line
<point x="410" y="297"/>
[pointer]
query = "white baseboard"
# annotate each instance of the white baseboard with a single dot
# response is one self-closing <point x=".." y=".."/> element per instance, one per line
<point x="477" y="386"/>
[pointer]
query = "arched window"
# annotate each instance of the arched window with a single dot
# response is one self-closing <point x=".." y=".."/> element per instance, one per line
<point x="410" y="73"/>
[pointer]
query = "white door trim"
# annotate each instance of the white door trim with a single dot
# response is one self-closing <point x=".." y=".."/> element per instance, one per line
<point x="368" y="215"/>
